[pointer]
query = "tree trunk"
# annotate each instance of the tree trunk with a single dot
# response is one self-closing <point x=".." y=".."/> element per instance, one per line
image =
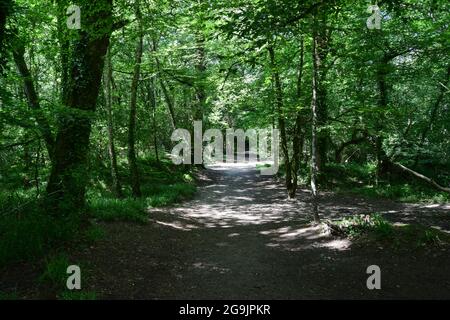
<point x="152" y="99"/>
<point x="281" y="122"/>
<point x="169" y="102"/>
<point x="36" y="168"/>
<point x="28" y="164"/>
<point x="322" y="36"/>
<point x="116" y="186"/>
<point x="422" y="177"/>
<point x="353" y="141"/>
<point x="5" y="11"/>
<point x="314" y="140"/>
<point x="66" y="187"/>
<point x="200" y="91"/>
<point x="382" y="158"/>
<point x="167" y="97"/>
<point x="64" y="45"/>
<point x="298" y="140"/>
<point x="132" y="162"/>
<point x="33" y="99"/>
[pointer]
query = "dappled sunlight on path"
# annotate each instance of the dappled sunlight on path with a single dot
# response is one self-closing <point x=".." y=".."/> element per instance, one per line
<point x="240" y="238"/>
<point x="237" y="195"/>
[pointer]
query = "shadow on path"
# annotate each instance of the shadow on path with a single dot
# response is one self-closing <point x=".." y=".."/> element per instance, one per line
<point x="241" y="239"/>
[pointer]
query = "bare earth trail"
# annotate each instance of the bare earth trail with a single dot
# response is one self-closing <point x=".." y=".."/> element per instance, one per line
<point x="240" y="239"/>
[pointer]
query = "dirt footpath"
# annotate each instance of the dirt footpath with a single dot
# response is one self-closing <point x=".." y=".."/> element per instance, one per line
<point x="240" y="239"/>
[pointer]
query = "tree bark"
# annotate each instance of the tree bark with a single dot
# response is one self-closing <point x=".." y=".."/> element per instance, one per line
<point x="66" y="187"/>
<point x="115" y="179"/>
<point x="153" y="105"/>
<point x="5" y="11"/>
<point x="132" y="162"/>
<point x="382" y="158"/>
<point x="314" y="140"/>
<point x="169" y="102"/>
<point x="421" y="177"/>
<point x="33" y="98"/>
<point x="200" y="91"/>
<point x="167" y="97"/>
<point x="64" y="45"/>
<point x="281" y="121"/>
<point x="353" y="141"/>
<point x="322" y="36"/>
<point x="298" y="140"/>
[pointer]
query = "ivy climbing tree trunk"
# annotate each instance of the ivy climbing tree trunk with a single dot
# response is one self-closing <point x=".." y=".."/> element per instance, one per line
<point x="66" y="186"/>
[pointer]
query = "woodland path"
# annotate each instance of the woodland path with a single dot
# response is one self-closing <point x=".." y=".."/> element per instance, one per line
<point x="240" y="239"/>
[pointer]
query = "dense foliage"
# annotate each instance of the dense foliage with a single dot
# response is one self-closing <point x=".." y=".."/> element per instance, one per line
<point x="87" y="114"/>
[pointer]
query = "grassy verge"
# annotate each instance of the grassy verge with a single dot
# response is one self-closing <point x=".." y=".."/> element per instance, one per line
<point x="163" y="184"/>
<point x="28" y="234"/>
<point x="361" y="179"/>
<point x="55" y="275"/>
<point x="375" y="229"/>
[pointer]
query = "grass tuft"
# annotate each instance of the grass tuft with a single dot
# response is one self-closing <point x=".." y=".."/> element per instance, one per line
<point x="375" y="229"/>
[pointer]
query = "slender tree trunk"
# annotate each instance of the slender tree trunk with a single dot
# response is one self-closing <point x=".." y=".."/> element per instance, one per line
<point x="33" y="98"/>
<point x="167" y="97"/>
<point x="314" y="141"/>
<point x="322" y="36"/>
<point x="200" y="91"/>
<point x="382" y="158"/>
<point x="28" y="164"/>
<point x="152" y="99"/>
<point x="116" y="186"/>
<point x="36" y="168"/>
<point x="66" y="187"/>
<point x="422" y="177"/>
<point x="281" y="122"/>
<point x="132" y="162"/>
<point x="5" y="11"/>
<point x="353" y="141"/>
<point x="64" y="45"/>
<point x="298" y="139"/>
<point x="169" y="102"/>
